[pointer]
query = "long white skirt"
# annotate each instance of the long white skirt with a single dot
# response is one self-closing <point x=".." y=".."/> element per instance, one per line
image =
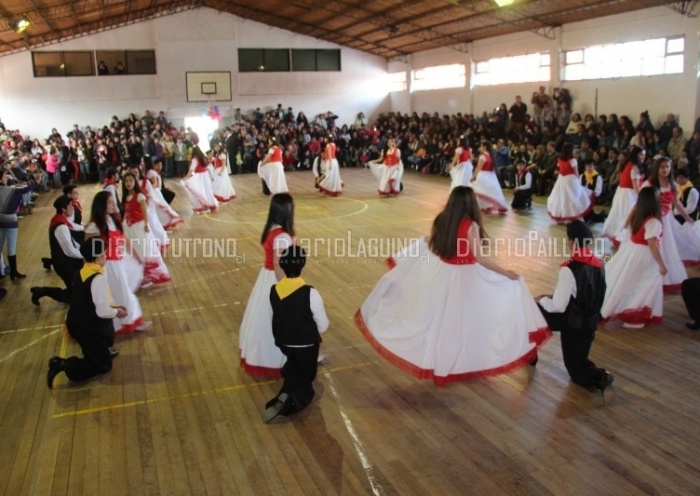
<point x="676" y="272"/>
<point x="489" y="194"/>
<point x="623" y="202"/>
<point x="461" y="174"/>
<point x="223" y="188"/>
<point x="259" y="355"/>
<point x="634" y="291"/>
<point x="569" y="200"/>
<point x="148" y="248"/>
<point x="687" y="237"/>
<point x="273" y="175"/>
<point x="389" y="178"/>
<point x="119" y="273"/>
<point x="200" y="191"/>
<point x="450" y="330"/>
<point x="168" y="217"/>
<point x="331" y="184"/>
<point x="156" y="227"/>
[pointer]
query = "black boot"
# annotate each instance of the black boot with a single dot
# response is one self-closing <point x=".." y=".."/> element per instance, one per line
<point x="46" y="262"/>
<point x="14" y="273"/>
<point x="37" y="293"/>
<point x="56" y="366"/>
<point x="3" y="293"/>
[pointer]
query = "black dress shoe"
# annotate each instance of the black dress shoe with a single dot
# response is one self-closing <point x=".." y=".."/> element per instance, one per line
<point x="693" y="325"/>
<point x="3" y="293"/>
<point x="56" y="366"/>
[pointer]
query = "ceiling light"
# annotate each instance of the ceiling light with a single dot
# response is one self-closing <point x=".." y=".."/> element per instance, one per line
<point x="21" y="24"/>
<point x="503" y="3"/>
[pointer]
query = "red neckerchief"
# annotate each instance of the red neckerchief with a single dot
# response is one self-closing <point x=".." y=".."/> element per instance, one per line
<point x="107" y="182"/>
<point x="77" y="205"/>
<point x="584" y="255"/>
<point x="60" y="219"/>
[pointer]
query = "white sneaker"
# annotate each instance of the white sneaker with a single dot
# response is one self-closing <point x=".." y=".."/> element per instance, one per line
<point x="632" y="326"/>
<point x="321" y="358"/>
<point x="144" y="326"/>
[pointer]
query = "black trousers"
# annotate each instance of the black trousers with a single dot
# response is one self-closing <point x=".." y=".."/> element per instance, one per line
<point x="575" y="347"/>
<point x="96" y="357"/>
<point x="298" y="372"/>
<point x="266" y="190"/>
<point x="168" y="195"/>
<point x="522" y="199"/>
<point x="66" y="272"/>
<point x="690" y="290"/>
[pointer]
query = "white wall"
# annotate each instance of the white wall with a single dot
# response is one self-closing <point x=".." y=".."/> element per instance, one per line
<point x="198" y="40"/>
<point x="679" y="94"/>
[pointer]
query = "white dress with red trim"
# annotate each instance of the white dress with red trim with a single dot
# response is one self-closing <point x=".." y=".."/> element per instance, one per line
<point x="634" y="291"/>
<point x="676" y="272"/>
<point x="461" y="173"/>
<point x="449" y="330"/>
<point x="389" y="173"/>
<point x="569" y="199"/>
<point x="687" y="237"/>
<point x="124" y="275"/>
<point x="157" y="229"/>
<point x="168" y="217"/>
<point x="489" y="194"/>
<point x="259" y="355"/>
<point x="272" y="172"/>
<point x="143" y="242"/>
<point x="223" y="188"/>
<point x="329" y="181"/>
<point x="623" y="202"/>
<point x="199" y="188"/>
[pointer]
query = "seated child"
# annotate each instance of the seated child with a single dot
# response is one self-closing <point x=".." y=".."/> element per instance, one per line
<point x="522" y="193"/>
<point x="298" y="318"/>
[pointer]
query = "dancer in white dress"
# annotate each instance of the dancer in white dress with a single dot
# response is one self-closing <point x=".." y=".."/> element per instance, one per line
<point x="634" y="275"/>
<point x="124" y="272"/>
<point x="137" y="228"/>
<point x="198" y="184"/>
<point x="486" y="186"/>
<point x="156" y="228"/>
<point x="449" y="330"/>
<point x="271" y="170"/>
<point x="661" y="178"/>
<point x="569" y="200"/>
<point x="687" y="234"/>
<point x="223" y="188"/>
<point x="388" y="169"/>
<point x="461" y="167"/>
<point x="168" y="217"/>
<point x="259" y="355"/>
<point x="626" y="194"/>
<point x="327" y="171"/>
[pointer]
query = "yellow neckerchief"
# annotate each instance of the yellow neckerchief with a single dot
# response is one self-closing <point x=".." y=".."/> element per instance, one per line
<point x="288" y="285"/>
<point x="681" y="189"/>
<point x="590" y="176"/>
<point x="90" y="269"/>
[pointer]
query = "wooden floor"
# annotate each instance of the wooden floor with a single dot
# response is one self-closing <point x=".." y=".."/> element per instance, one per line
<point x="177" y="416"/>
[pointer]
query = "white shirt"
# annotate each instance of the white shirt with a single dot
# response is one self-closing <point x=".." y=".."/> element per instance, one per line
<point x="66" y="242"/>
<point x="100" y="297"/>
<point x="564" y="290"/>
<point x="692" y="202"/>
<point x="528" y="183"/>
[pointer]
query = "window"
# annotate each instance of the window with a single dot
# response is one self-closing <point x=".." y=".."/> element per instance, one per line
<point x="120" y="62"/>
<point x="439" y="77"/>
<point x="530" y="68"/>
<point x="263" y="60"/>
<point x="60" y="64"/>
<point x="315" y="60"/>
<point x="634" y="58"/>
<point x="140" y="62"/>
<point x="397" y="81"/>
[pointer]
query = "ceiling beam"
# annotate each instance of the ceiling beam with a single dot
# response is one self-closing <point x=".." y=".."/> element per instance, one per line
<point x="301" y="27"/>
<point x="41" y="16"/>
